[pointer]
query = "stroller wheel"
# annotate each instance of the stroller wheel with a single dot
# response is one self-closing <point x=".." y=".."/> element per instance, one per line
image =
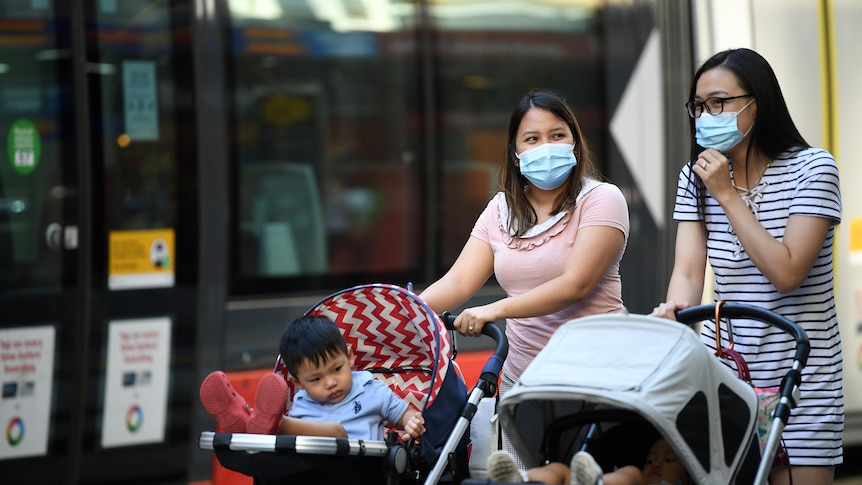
<point x="397" y="459"/>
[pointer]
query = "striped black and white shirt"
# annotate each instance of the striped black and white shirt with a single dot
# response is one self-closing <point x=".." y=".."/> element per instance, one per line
<point x="802" y="182"/>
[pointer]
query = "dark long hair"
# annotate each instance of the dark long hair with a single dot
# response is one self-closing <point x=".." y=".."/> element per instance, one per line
<point x="521" y="214"/>
<point x="773" y="132"/>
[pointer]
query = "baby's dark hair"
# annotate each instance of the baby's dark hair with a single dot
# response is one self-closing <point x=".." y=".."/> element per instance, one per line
<point x="311" y="338"/>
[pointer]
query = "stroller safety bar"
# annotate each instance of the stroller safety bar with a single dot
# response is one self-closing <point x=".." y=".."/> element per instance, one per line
<point x="318" y="445"/>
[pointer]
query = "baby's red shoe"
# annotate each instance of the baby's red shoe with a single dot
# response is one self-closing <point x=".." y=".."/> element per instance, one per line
<point x="225" y="404"/>
<point x="270" y="401"/>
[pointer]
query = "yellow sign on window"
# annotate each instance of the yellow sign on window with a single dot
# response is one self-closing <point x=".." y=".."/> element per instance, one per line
<point x="855" y="241"/>
<point x="141" y="259"/>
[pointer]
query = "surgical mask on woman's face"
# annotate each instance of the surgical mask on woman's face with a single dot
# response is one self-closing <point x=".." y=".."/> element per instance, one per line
<point x="719" y="131"/>
<point x="547" y="166"/>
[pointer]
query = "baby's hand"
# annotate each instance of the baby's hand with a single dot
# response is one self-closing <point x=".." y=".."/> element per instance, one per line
<point x="414" y="427"/>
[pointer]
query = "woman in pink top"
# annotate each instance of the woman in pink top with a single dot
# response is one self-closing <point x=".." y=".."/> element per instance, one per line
<point x="554" y="237"/>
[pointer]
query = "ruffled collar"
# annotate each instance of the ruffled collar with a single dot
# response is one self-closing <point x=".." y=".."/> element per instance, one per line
<point x="540" y="233"/>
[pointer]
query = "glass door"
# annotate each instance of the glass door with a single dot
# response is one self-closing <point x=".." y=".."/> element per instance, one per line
<point x="97" y="236"/>
<point x="140" y="382"/>
<point x="39" y="241"/>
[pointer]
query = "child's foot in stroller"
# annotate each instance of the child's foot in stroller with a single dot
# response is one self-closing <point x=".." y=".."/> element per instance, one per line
<point x="269" y="403"/>
<point x="225" y="404"/>
<point x="584" y="470"/>
<point x="503" y="468"/>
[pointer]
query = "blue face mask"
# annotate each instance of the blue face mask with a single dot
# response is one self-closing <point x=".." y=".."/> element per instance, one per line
<point x="547" y="166"/>
<point x="719" y="131"/>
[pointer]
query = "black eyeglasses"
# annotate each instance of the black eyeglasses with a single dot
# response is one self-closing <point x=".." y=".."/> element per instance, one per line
<point x="712" y="106"/>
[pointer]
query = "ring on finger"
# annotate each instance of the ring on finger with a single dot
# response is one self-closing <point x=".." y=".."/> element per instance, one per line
<point x="703" y="163"/>
<point x="470" y="329"/>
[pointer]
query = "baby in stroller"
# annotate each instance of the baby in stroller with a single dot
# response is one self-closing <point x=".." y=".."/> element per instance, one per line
<point x="320" y="364"/>
<point x="342" y="401"/>
<point x="395" y="336"/>
<point x="662" y="467"/>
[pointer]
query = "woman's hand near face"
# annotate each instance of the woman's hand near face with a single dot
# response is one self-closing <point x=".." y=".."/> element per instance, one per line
<point x="714" y="169"/>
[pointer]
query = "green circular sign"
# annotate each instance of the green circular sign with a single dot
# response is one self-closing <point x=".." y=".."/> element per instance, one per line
<point x="24" y="146"/>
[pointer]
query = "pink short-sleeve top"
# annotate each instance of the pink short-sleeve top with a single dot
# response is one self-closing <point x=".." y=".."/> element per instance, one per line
<point x="522" y="263"/>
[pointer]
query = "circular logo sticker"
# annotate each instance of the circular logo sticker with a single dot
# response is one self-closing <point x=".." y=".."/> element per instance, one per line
<point x="15" y="431"/>
<point x="134" y="418"/>
<point x="24" y="146"/>
<point x="160" y="254"/>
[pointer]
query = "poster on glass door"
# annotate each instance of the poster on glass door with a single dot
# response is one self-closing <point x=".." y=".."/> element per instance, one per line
<point x="136" y="382"/>
<point x="141" y="103"/>
<point x="27" y="377"/>
<point x="141" y="259"/>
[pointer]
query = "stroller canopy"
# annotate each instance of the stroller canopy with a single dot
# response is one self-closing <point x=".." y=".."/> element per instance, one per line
<point x="655" y="368"/>
<point x="393" y="334"/>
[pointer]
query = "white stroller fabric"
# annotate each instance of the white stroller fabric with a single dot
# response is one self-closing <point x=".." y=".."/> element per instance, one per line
<point x="651" y="366"/>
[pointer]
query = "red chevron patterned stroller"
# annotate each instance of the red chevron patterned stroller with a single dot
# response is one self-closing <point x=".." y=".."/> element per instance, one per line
<point x="396" y="336"/>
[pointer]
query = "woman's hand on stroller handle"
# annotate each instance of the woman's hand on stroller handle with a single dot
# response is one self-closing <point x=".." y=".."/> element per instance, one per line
<point x="466" y="326"/>
<point x="669" y="309"/>
<point x="490" y="329"/>
<point x="469" y="322"/>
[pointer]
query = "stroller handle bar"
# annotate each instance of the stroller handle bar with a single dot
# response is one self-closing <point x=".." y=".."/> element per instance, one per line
<point x="485" y="387"/>
<point x="491" y="371"/>
<point x="742" y="310"/>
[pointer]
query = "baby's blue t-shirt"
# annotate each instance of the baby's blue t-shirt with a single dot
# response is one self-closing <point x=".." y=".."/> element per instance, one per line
<point x="362" y="413"/>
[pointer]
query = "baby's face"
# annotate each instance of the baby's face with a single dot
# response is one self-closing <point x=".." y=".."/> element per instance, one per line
<point x="329" y="381"/>
<point x="663" y="466"/>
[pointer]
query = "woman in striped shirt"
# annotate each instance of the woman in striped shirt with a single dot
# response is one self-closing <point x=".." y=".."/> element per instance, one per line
<point x="761" y="205"/>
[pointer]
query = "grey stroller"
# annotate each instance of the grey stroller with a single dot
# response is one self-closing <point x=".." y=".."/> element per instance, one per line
<point x="634" y="378"/>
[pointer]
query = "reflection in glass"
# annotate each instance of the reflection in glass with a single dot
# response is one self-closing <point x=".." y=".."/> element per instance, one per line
<point x="135" y="85"/>
<point x="346" y="89"/>
<point x="325" y="103"/>
<point x="488" y="55"/>
<point x="35" y="126"/>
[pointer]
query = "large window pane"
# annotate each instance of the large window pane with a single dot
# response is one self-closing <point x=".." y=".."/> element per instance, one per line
<point x="136" y="72"/>
<point x="326" y="138"/>
<point x="38" y="145"/>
